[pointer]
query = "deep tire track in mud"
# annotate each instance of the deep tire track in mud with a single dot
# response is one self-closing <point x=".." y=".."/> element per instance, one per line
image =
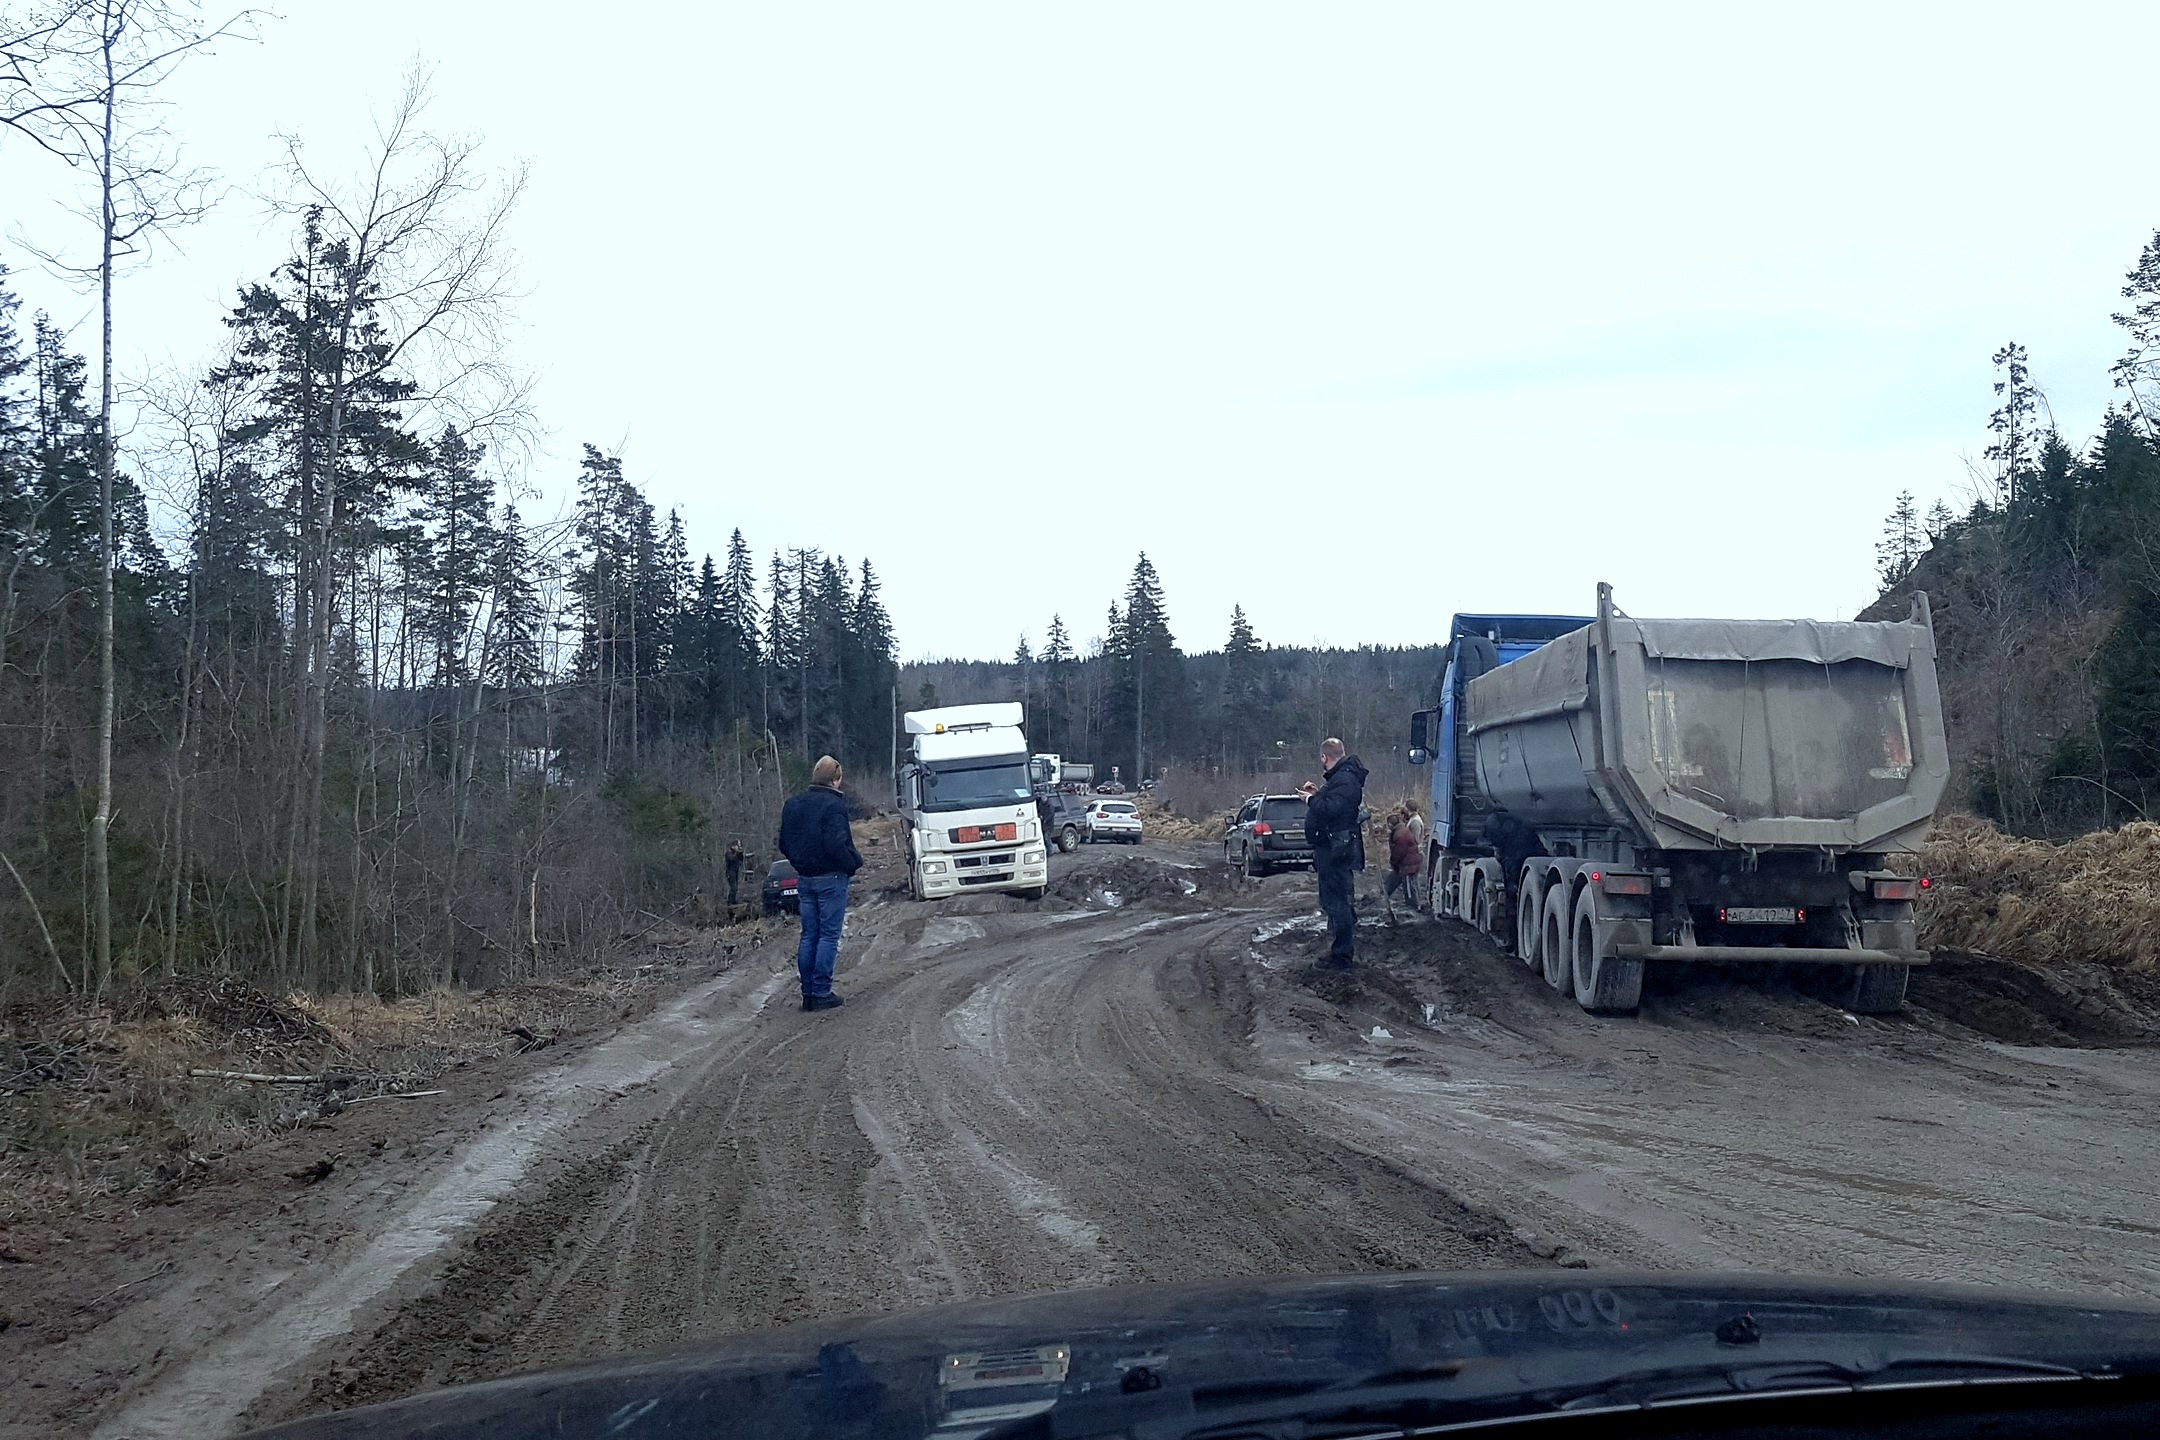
<point x="1007" y="1103"/>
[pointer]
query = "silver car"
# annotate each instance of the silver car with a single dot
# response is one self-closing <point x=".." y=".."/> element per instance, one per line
<point x="1114" y="820"/>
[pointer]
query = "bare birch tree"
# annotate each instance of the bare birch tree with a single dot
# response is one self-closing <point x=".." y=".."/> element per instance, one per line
<point x="81" y="78"/>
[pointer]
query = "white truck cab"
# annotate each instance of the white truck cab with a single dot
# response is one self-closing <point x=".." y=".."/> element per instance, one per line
<point x="967" y="798"/>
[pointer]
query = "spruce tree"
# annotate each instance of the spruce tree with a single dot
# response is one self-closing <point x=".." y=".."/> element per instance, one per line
<point x="702" y="651"/>
<point x="1057" y="645"/>
<point x="15" y="432"/>
<point x="780" y="648"/>
<point x="738" y="633"/>
<point x="456" y="504"/>
<point x="514" y="659"/>
<point x="2015" y="423"/>
<point x="1901" y="546"/>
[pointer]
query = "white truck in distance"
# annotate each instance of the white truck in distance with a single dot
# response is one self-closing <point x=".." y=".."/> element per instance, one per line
<point x="968" y="801"/>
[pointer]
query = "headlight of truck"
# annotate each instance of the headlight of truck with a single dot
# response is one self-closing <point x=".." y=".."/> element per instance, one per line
<point x="1031" y="857"/>
<point x="933" y="867"/>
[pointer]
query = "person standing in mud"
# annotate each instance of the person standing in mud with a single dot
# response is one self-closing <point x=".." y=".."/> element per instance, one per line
<point x="735" y="859"/>
<point x="1414" y="822"/>
<point x="1402" y="865"/>
<point x="1332" y="809"/>
<point x="815" y="837"/>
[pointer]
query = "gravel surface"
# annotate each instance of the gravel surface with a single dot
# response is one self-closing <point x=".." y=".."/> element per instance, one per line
<point x="1160" y="1086"/>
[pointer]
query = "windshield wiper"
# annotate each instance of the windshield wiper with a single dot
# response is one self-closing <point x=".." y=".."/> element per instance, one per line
<point x="1767" y="1377"/>
<point x="1431" y="1400"/>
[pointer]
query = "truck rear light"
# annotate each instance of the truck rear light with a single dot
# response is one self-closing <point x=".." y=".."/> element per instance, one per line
<point x="1261" y="827"/>
<point x="1617" y="884"/>
<point x="1899" y="889"/>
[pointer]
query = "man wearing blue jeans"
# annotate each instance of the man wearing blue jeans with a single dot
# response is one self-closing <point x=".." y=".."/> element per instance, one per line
<point x="814" y="836"/>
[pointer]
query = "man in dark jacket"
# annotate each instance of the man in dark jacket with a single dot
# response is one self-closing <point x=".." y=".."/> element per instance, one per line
<point x="814" y="836"/>
<point x="1331" y="828"/>
<point x="735" y="858"/>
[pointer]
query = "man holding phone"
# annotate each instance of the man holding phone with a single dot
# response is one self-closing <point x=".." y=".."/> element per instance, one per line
<point x="1331" y="828"/>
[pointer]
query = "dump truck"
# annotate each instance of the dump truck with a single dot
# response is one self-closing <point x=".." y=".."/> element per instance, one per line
<point x="1611" y="793"/>
<point x="1053" y="773"/>
<point x="967" y="807"/>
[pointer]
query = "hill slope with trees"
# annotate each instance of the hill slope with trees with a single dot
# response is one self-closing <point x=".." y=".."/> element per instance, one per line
<point x="2046" y="597"/>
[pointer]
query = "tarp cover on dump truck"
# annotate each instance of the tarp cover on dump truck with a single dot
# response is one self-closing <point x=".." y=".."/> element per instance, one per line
<point x="1550" y="680"/>
<point x="1826" y="643"/>
<point x="1555" y="678"/>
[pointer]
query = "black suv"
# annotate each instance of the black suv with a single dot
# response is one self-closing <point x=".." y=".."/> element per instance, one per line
<point x="780" y="883"/>
<point x="1064" y="820"/>
<point x="1268" y="834"/>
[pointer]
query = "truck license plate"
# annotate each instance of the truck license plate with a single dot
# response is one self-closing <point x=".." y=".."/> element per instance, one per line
<point x="1760" y="915"/>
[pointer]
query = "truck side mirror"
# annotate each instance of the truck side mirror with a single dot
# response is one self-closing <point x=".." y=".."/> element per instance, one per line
<point x="1418" y="755"/>
<point x="1420" y="735"/>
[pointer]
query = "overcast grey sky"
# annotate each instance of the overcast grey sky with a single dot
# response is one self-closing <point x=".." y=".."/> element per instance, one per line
<point x="1486" y="302"/>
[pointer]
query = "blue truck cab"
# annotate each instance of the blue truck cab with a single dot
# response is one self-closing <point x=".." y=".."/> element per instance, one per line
<point x="1476" y="644"/>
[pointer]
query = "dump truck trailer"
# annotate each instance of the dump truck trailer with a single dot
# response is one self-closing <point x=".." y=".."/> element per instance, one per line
<point x="1611" y="793"/>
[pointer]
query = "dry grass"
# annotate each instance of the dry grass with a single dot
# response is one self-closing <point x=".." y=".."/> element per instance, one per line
<point x="97" y="1106"/>
<point x="2094" y="899"/>
<point x="1163" y="823"/>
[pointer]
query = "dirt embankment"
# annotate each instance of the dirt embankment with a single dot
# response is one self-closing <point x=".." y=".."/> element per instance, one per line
<point x="2095" y="899"/>
<point x="1408" y="966"/>
<point x="107" y="1108"/>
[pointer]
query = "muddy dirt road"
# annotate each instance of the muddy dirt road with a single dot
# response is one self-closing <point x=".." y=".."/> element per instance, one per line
<point x="1145" y="1079"/>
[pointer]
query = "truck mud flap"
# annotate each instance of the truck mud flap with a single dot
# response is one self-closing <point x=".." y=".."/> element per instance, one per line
<point x="1771" y="954"/>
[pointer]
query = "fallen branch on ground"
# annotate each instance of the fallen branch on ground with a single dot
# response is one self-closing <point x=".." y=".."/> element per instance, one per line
<point x="529" y="1042"/>
<point x="258" y="1079"/>
<point x="393" y="1095"/>
<point x="163" y="1269"/>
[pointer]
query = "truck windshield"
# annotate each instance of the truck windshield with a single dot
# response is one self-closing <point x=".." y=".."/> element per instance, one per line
<point x="972" y="784"/>
<point x="1780" y="738"/>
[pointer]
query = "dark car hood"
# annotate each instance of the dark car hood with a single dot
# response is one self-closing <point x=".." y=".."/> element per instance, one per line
<point x="1161" y="1352"/>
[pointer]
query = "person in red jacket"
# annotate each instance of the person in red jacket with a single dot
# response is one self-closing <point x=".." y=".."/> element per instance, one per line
<point x="1403" y="863"/>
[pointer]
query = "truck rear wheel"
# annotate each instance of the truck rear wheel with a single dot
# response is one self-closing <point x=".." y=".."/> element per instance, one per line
<point x="1527" y="910"/>
<point x="1553" y="942"/>
<point x="1874" y="989"/>
<point x="1604" y="984"/>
